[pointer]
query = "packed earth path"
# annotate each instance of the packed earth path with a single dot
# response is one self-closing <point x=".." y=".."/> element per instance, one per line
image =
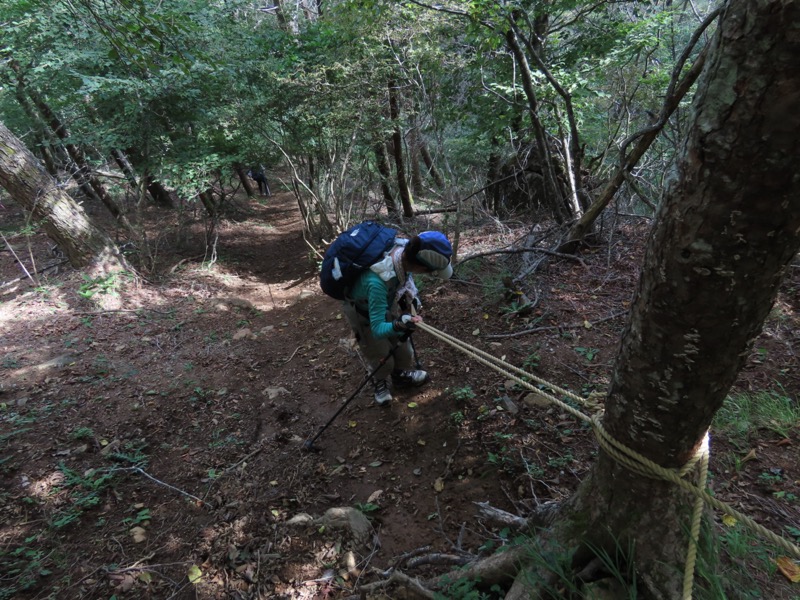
<point x="154" y="438"/>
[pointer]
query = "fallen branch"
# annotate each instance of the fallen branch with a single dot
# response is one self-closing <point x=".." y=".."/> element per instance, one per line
<point x="184" y="260"/>
<point x="10" y="249"/>
<point x="500" y="517"/>
<point x="497" y="336"/>
<point x="158" y="481"/>
<point x="522" y="251"/>
<point x="435" y="211"/>
<point x="39" y="272"/>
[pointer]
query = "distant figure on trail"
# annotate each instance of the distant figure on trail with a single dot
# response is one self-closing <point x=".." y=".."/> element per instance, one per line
<point x="381" y="306"/>
<point x="257" y="174"/>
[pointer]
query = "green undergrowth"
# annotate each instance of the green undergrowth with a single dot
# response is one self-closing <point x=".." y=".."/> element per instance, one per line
<point x="743" y="416"/>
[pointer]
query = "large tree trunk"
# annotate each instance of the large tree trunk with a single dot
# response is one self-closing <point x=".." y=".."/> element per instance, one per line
<point x="24" y="178"/>
<point x="726" y="231"/>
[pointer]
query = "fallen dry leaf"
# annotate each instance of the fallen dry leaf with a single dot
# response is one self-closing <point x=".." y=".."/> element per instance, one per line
<point x="749" y="456"/>
<point x="138" y="534"/>
<point x="788" y="568"/>
<point x="438" y="485"/>
<point x="194" y="574"/>
<point x="127" y="583"/>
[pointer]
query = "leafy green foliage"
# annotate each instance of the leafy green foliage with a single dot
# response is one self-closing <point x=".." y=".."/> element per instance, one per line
<point x="81" y="493"/>
<point x="462" y="394"/>
<point x="467" y="589"/>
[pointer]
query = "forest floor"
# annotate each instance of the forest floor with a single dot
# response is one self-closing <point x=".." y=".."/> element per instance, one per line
<point x="151" y="432"/>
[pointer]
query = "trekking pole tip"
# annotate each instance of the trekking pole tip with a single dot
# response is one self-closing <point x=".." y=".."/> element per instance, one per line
<point x="308" y="446"/>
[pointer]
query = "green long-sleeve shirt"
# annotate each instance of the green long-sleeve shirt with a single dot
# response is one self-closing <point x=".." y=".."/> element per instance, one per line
<point x="370" y="292"/>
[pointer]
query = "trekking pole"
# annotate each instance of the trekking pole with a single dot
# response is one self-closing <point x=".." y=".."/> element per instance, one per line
<point x="309" y="444"/>
<point x="417" y="364"/>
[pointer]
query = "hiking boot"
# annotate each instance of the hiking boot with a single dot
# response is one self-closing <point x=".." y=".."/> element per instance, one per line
<point x="382" y="393"/>
<point x="409" y="378"/>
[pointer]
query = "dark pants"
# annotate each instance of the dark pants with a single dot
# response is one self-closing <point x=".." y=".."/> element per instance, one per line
<point x="373" y="349"/>
<point x="263" y="186"/>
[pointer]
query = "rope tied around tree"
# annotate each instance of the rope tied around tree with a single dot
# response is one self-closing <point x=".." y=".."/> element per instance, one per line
<point x="625" y="456"/>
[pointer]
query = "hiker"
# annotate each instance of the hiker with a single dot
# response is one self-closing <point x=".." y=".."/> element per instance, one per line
<point x="257" y="174"/>
<point x="381" y="304"/>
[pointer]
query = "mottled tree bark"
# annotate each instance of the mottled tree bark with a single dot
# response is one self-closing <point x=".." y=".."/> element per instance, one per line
<point x="65" y="222"/>
<point x="729" y="226"/>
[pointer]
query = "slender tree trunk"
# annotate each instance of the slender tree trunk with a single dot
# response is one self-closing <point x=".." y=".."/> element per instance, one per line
<point x="385" y="172"/>
<point x="430" y="165"/>
<point x="65" y="222"/>
<point x="722" y="240"/>
<point x="397" y="145"/>
<point x="554" y="198"/>
<point x="81" y="171"/>
<point x="77" y="156"/>
<point x="207" y="198"/>
<point x="126" y="168"/>
<point x="573" y="151"/>
<point x="24" y="101"/>
<point x="584" y="225"/>
<point x="47" y="156"/>
<point x="494" y="191"/>
<point x="157" y="191"/>
<point x="312" y="173"/>
<point x="242" y="174"/>
<point x="414" y="160"/>
<point x="72" y="150"/>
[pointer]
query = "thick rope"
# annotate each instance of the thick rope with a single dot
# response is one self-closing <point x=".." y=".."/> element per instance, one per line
<point x="697" y="514"/>
<point x="619" y="452"/>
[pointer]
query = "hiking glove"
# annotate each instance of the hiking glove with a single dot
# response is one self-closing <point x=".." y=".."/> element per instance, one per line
<point x="404" y="323"/>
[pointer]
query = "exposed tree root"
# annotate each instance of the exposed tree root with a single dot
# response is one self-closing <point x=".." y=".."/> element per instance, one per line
<point x="408" y="588"/>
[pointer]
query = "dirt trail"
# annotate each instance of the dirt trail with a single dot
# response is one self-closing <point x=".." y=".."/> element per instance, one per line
<point x="184" y="412"/>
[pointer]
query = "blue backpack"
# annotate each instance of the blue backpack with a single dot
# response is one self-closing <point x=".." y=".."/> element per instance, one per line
<point x="354" y="251"/>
